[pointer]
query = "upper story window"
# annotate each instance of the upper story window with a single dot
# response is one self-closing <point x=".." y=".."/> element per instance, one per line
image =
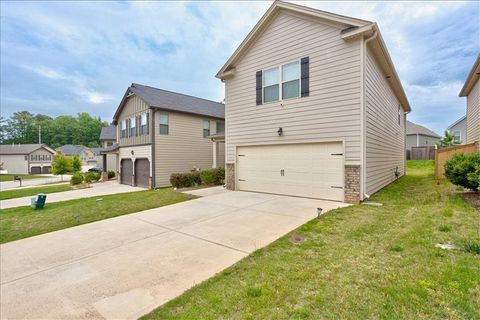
<point x="220" y="127"/>
<point x="290" y="80"/>
<point x="123" y="129"/>
<point x="164" y="124"/>
<point x="109" y="143"/>
<point x="133" y="126"/>
<point x="206" y="128"/>
<point x="457" y="135"/>
<point x="270" y="85"/>
<point x="144" y="123"/>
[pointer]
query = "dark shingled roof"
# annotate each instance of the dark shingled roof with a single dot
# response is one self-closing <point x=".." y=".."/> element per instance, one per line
<point x="70" y="149"/>
<point x="413" y="128"/>
<point x="22" y="148"/>
<point x="168" y="100"/>
<point x="109" y="133"/>
<point x="96" y="151"/>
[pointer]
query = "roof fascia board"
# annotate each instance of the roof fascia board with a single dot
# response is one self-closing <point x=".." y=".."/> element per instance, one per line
<point x="472" y="78"/>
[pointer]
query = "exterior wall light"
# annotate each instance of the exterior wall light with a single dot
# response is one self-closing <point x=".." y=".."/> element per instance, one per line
<point x="280" y="132"/>
<point x="132" y="152"/>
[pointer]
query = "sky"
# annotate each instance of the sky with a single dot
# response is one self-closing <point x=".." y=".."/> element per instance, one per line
<point x="68" y="57"/>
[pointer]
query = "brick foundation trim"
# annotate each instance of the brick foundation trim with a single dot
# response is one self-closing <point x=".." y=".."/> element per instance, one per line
<point x="352" y="183"/>
<point x="230" y="176"/>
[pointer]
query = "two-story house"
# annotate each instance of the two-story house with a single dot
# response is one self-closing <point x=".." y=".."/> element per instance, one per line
<point x="161" y="132"/>
<point x="471" y="90"/>
<point x="314" y="107"/>
<point x="87" y="156"/>
<point x="26" y="158"/>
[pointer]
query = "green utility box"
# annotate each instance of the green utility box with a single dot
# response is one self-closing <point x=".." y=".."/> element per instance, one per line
<point x="38" y="202"/>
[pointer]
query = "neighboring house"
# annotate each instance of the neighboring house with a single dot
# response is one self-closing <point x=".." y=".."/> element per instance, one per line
<point x="419" y="136"/>
<point x="26" y="158"/>
<point x="314" y="107"/>
<point x="86" y="154"/>
<point x="161" y="132"/>
<point x="459" y="129"/>
<point x="108" y="140"/>
<point x="471" y="90"/>
<point x="98" y="157"/>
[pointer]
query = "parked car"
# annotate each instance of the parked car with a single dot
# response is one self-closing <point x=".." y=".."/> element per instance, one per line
<point x="94" y="169"/>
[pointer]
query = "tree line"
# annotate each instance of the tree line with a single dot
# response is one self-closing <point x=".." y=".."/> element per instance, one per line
<point x="23" y="127"/>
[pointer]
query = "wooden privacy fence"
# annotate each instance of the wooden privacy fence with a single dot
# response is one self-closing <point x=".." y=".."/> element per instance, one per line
<point x="444" y="154"/>
<point x="422" y="153"/>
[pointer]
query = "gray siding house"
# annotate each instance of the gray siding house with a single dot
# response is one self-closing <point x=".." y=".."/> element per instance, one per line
<point x="459" y="129"/>
<point x="314" y="107"/>
<point x="26" y="158"/>
<point x="420" y="136"/>
<point x="161" y="132"/>
<point x="471" y="90"/>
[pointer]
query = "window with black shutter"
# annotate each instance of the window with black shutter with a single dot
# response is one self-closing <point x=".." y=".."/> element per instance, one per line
<point x="259" y="87"/>
<point x="305" y="76"/>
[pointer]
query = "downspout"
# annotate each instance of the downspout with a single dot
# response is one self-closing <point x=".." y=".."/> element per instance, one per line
<point x="152" y="132"/>
<point x="363" y="115"/>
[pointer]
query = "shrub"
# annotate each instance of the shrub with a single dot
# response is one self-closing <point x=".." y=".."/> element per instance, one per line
<point x="185" y="180"/>
<point x="214" y="176"/>
<point x="92" y="177"/>
<point x="462" y="170"/>
<point x="76" y="178"/>
<point x="111" y="174"/>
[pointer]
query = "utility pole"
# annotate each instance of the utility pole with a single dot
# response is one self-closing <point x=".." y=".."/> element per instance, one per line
<point x="39" y="135"/>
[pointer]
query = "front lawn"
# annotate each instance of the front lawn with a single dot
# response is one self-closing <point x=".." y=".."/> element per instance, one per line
<point x="9" y="177"/>
<point x="25" y="192"/>
<point x="23" y="222"/>
<point x="359" y="262"/>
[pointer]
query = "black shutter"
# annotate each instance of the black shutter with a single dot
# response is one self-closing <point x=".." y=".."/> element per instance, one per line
<point x="148" y="123"/>
<point x="305" y="77"/>
<point x="259" y="87"/>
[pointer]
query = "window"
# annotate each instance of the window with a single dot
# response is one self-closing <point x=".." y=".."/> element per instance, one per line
<point x="270" y="85"/>
<point x="26" y="158"/>
<point x="109" y="143"/>
<point x="457" y="135"/>
<point x="206" y="128"/>
<point x="164" y="124"/>
<point x="133" y="126"/>
<point x="123" y="129"/>
<point x="31" y="157"/>
<point x="291" y="80"/>
<point x="220" y="127"/>
<point x="144" y="123"/>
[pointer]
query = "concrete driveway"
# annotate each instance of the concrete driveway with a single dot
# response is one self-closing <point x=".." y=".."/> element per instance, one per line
<point x="124" y="267"/>
<point x="96" y="190"/>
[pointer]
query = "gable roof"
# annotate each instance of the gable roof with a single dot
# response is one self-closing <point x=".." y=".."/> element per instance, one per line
<point x="108" y="133"/>
<point x="413" y="128"/>
<point x="353" y="28"/>
<point x="167" y="100"/>
<point x="23" y="148"/>
<point x="457" y="122"/>
<point x="96" y="151"/>
<point x="472" y="78"/>
<point x="70" y="149"/>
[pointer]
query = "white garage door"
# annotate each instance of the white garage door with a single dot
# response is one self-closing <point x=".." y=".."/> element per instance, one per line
<point x="305" y="170"/>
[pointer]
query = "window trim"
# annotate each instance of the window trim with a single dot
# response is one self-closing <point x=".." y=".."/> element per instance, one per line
<point x="281" y="82"/>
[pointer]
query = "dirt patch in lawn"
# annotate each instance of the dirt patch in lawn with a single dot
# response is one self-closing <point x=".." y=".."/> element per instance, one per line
<point x="473" y="198"/>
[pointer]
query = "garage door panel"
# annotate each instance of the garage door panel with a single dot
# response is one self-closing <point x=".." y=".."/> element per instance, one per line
<point x="126" y="171"/>
<point x="309" y="170"/>
<point x="142" y="173"/>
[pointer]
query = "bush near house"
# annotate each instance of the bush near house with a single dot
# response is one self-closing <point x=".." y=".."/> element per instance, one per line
<point x="214" y="176"/>
<point x="111" y="174"/>
<point x="92" y="177"/>
<point x="185" y="180"/>
<point x="463" y="170"/>
<point x="76" y="178"/>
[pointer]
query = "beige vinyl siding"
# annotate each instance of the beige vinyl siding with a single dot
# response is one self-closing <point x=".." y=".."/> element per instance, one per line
<point x="330" y="113"/>
<point x="462" y="128"/>
<point x="14" y="163"/>
<point x="221" y="154"/>
<point x="184" y="148"/>
<point x="385" y="138"/>
<point x="41" y="152"/>
<point x="133" y="107"/>
<point x="473" y="114"/>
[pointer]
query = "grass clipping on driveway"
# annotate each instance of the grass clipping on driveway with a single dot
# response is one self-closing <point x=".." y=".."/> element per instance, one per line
<point x="23" y="222"/>
<point x="355" y="263"/>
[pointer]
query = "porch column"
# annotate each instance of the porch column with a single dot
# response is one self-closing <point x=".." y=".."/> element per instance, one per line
<point x="214" y="154"/>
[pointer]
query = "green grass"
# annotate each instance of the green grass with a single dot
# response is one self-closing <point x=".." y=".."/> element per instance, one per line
<point x="18" y="193"/>
<point x="359" y="262"/>
<point x="9" y="177"/>
<point x="23" y="222"/>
